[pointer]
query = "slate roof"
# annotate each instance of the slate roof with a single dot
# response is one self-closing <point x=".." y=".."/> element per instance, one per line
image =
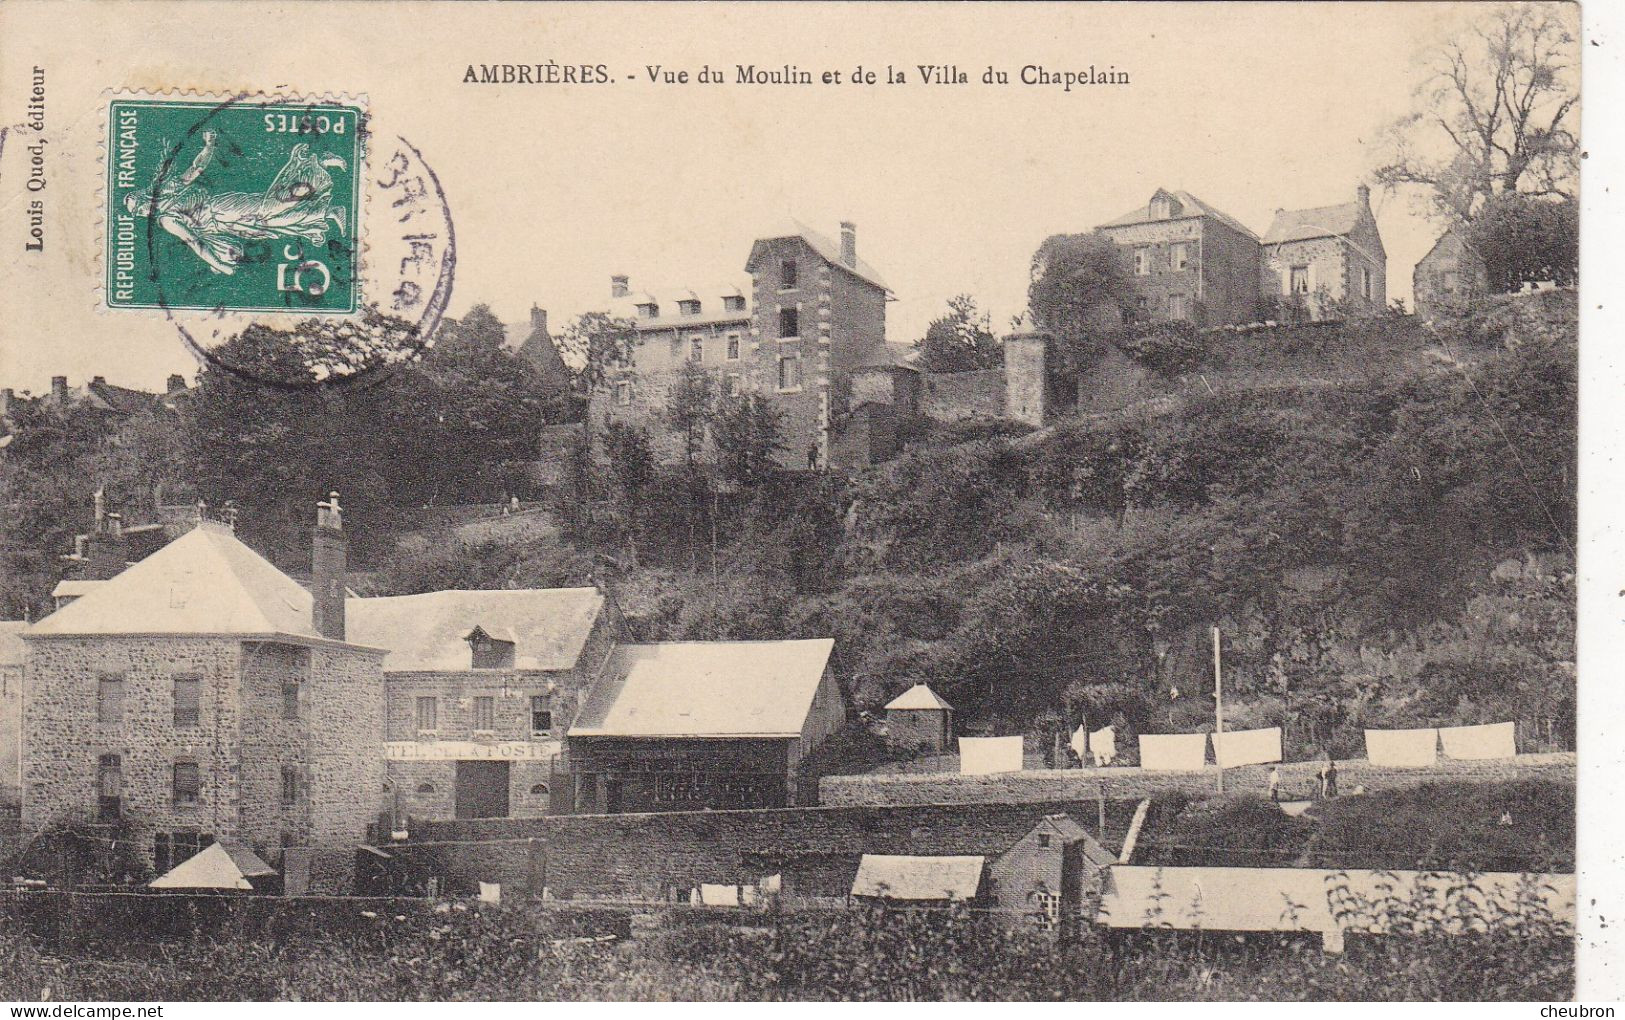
<point x="1193" y="207"/>
<point x="549" y="627"/>
<point x="828" y="250"/>
<point x="712" y="312"/>
<point x="205" y="582"/>
<point x="918" y="878"/>
<point x="918" y="697"/>
<point x="706" y="689"/>
<point x="890" y="354"/>
<point x="1308" y="224"/>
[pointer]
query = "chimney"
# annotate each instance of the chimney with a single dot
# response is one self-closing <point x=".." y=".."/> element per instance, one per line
<point x="1362" y="195"/>
<point x="849" y="244"/>
<point x="98" y="380"/>
<point x="177" y="383"/>
<point x="538" y="319"/>
<point x="8" y="396"/>
<point x="328" y="552"/>
<point x="59" y="390"/>
<point x="104" y="549"/>
<point x="620" y="285"/>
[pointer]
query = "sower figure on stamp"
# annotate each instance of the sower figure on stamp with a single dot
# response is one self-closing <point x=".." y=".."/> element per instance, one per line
<point x="214" y="227"/>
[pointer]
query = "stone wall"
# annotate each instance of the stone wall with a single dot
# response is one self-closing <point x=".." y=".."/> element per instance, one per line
<point x="345" y="756"/>
<point x="960" y="396"/>
<point x="1297" y="778"/>
<point x="651" y="855"/>
<point x="11" y="734"/>
<point x="271" y="743"/>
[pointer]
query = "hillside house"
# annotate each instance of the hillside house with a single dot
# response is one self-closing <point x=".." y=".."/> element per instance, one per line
<point x="691" y="725"/>
<point x="1449" y="276"/>
<point x="480" y="686"/>
<point x="810" y="320"/>
<point x="1328" y="261"/>
<point x="1190" y="261"/>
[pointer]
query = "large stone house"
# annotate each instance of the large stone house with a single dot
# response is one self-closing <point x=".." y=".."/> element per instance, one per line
<point x="12" y="655"/>
<point x="704" y="724"/>
<point x="808" y="327"/>
<point x="480" y="687"/>
<point x="1190" y="261"/>
<point x="203" y="694"/>
<point x="1327" y="262"/>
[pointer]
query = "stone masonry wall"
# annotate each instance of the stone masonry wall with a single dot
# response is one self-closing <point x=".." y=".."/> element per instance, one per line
<point x="271" y="743"/>
<point x="1062" y="784"/>
<point x="959" y="396"/>
<point x="11" y="734"/>
<point x="346" y="746"/>
<point x="62" y="738"/>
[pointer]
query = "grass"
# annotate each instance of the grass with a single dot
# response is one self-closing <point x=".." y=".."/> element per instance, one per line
<point x="514" y="954"/>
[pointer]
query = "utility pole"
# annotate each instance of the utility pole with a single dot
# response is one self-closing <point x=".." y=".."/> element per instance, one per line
<point x="1218" y="706"/>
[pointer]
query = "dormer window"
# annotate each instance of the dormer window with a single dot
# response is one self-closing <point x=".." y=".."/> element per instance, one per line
<point x="648" y="310"/>
<point x="489" y="652"/>
<point x="1164" y="207"/>
<point x="689" y="306"/>
<point x="733" y="303"/>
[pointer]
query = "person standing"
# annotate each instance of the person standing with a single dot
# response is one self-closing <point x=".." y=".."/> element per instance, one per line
<point x="1275" y="783"/>
<point x="1331" y="779"/>
<point x="1321" y="775"/>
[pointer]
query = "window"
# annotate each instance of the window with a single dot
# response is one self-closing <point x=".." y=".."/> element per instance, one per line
<point x="290" y="699"/>
<point x="1365" y="283"/>
<point x="188" y="689"/>
<point x="1048" y="913"/>
<point x="696" y="348"/>
<point x="541" y="714"/>
<point x="1298" y="280"/>
<point x="1043" y="839"/>
<point x="623" y="392"/>
<point x="110" y="698"/>
<point x="1179" y="257"/>
<point x="734" y="303"/>
<point x="733" y="346"/>
<point x="187" y="783"/>
<point x="1449" y="280"/>
<point x="425" y="787"/>
<point x="1142" y="262"/>
<point x="539" y="790"/>
<point x="290" y="786"/>
<point x="1178" y="307"/>
<point x="789" y="367"/>
<point x="109" y="788"/>
<point x="648" y="310"/>
<point x="689" y="306"/>
<point x="428" y="714"/>
<point x="789" y="322"/>
<point x="485" y="713"/>
<point x="1164" y="208"/>
<point x="735" y="384"/>
<point x="172" y="848"/>
<point x="787" y="274"/>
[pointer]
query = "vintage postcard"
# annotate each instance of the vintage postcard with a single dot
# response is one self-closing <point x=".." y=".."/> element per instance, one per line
<point x="778" y="502"/>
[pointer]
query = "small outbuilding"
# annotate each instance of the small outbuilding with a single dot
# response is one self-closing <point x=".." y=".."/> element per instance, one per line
<point x="919" y="719"/>
<point x="919" y="881"/>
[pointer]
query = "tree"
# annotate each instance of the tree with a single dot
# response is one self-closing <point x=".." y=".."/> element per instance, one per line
<point x="601" y="341"/>
<point x="960" y="341"/>
<point x="632" y="473"/>
<point x="690" y="406"/>
<point x="1527" y="240"/>
<point x="1079" y="282"/>
<point x="748" y="433"/>
<point x="1493" y="115"/>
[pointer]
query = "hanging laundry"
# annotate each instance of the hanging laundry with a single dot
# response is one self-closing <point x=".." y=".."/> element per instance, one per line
<point x="1173" y="752"/>
<point x="1467" y="743"/>
<point x="1247" y="747"/>
<point x="1104" y="744"/>
<point x="984" y="755"/>
<point x="1404" y="748"/>
<point x="1080" y="744"/>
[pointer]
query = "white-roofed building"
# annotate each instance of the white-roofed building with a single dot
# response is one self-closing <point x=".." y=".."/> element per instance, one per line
<point x="703" y="724"/>
<point x="919" y="718"/>
<point x="911" y="879"/>
<point x="203" y="694"/>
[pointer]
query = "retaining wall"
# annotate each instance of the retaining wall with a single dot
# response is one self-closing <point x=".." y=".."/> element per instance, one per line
<point x="1297" y="778"/>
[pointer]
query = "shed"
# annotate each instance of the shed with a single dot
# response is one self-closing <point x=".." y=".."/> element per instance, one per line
<point x="919" y="718"/>
<point x="222" y="865"/>
<point x="918" y="879"/>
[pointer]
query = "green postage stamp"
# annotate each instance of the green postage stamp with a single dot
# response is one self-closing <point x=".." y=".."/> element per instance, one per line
<point x="249" y="204"/>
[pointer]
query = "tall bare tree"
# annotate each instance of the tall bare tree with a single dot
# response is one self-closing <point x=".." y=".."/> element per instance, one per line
<point x="1496" y="113"/>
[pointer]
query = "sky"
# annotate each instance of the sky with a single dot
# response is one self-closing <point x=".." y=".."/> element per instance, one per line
<point x="553" y="188"/>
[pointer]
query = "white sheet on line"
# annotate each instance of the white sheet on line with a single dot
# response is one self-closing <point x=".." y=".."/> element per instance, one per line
<point x="716" y="895"/>
<point x="1103" y="742"/>
<point x="1494" y="740"/>
<point x="979" y="756"/>
<point x="1173" y="752"/>
<point x="1080" y="744"/>
<point x="1405" y="748"/>
<point x="1247" y="747"/>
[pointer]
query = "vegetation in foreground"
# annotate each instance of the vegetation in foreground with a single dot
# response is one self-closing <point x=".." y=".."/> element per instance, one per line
<point x="513" y="954"/>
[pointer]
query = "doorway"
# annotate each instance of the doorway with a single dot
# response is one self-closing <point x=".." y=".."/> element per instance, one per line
<point x="482" y="789"/>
